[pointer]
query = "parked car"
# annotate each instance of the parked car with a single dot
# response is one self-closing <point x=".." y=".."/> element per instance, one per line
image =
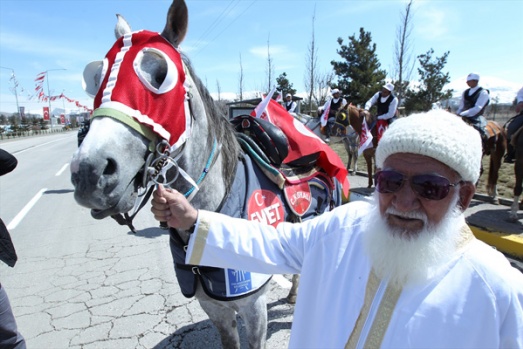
<point x="82" y="132"/>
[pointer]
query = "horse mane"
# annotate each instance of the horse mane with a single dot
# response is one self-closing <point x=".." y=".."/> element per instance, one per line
<point x="219" y="127"/>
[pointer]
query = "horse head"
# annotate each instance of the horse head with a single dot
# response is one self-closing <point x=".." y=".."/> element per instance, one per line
<point x="150" y="123"/>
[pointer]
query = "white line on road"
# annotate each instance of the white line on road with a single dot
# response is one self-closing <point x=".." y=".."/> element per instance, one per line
<point x="282" y="281"/>
<point x="38" y="145"/>
<point x="25" y="210"/>
<point x="61" y="170"/>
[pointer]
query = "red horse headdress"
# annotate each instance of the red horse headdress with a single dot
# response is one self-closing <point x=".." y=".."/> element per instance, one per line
<point x="122" y="89"/>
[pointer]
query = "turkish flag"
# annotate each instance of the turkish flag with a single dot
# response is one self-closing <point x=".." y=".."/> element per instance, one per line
<point x="46" y="113"/>
<point x="302" y="141"/>
<point x="382" y="125"/>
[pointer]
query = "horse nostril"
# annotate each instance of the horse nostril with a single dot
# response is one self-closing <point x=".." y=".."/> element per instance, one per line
<point x="110" y="168"/>
<point x="75" y="179"/>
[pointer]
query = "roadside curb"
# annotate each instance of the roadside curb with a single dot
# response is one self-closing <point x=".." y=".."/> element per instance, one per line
<point x="511" y="244"/>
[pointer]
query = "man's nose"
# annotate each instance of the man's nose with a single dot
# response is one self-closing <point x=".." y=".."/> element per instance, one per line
<point x="406" y="199"/>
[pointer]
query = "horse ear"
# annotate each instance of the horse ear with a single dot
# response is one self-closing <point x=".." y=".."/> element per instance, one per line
<point x="122" y="27"/>
<point x="92" y="78"/>
<point x="177" y="21"/>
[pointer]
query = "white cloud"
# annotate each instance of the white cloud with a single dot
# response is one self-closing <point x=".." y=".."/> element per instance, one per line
<point x="30" y="45"/>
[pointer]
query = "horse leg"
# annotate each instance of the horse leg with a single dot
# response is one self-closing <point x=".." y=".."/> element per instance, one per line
<point x="355" y="156"/>
<point x="368" y="160"/>
<point x="518" y="189"/>
<point x="496" y="157"/>
<point x="224" y="319"/>
<point x="254" y="316"/>
<point x="346" y="145"/>
<point x="492" y="180"/>
<point x="293" y="293"/>
<point x="513" y="213"/>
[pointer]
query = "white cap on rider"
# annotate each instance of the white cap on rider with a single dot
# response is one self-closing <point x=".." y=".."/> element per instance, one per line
<point x="473" y="76"/>
<point x="335" y="91"/>
<point x="288" y="95"/>
<point x="437" y="134"/>
<point x="389" y="87"/>
<point x="519" y="96"/>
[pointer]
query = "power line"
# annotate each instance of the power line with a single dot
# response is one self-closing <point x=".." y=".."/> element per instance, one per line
<point x="224" y="29"/>
<point x="217" y="21"/>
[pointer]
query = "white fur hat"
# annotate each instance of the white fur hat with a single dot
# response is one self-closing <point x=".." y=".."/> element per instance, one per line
<point x="436" y="134"/>
<point x="473" y="76"/>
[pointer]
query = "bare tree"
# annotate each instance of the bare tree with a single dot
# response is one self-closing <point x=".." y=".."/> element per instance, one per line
<point x="403" y="59"/>
<point x="322" y="86"/>
<point x="311" y="63"/>
<point x="240" y="80"/>
<point x="270" y="65"/>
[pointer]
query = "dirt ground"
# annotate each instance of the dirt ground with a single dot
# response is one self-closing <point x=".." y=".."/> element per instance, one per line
<point x="506" y="179"/>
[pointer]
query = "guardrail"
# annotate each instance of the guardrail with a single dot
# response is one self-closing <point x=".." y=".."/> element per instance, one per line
<point x="31" y="133"/>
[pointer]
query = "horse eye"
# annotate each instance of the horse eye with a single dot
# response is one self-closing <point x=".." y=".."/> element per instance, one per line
<point x="155" y="70"/>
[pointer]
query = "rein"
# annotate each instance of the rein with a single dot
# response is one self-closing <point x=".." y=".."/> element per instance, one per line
<point x="157" y="163"/>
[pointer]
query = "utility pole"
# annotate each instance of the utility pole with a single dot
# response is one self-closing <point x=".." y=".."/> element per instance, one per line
<point x="49" y="94"/>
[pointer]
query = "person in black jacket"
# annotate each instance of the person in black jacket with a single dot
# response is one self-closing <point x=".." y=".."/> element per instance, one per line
<point x="472" y="106"/>
<point x="9" y="335"/>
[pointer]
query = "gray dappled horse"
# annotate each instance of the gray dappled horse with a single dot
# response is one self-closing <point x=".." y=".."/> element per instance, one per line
<point x="153" y="122"/>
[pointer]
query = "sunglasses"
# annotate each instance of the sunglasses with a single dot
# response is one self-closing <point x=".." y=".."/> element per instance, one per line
<point x="428" y="186"/>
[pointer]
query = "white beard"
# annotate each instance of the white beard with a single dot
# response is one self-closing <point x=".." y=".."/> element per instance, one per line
<point x="413" y="259"/>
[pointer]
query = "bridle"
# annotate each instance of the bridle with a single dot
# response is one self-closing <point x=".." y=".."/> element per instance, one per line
<point x="159" y="159"/>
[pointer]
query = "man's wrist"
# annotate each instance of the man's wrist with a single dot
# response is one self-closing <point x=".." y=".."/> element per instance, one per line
<point x="192" y="228"/>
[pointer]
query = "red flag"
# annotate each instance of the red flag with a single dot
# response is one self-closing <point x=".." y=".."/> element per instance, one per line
<point x="326" y="111"/>
<point x="382" y="125"/>
<point x="46" y="113"/>
<point x="40" y="77"/>
<point x="302" y="141"/>
<point x="365" y="138"/>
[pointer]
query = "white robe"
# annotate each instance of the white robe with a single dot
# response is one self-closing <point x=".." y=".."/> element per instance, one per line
<point x="476" y="302"/>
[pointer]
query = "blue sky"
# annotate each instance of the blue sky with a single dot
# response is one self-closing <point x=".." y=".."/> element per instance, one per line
<point x="482" y="36"/>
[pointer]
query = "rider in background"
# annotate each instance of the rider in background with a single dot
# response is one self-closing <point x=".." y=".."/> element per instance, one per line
<point x="387" y="105"/>
<point x="336" y="103"/>
<point x="512" y="126"/>
<point x="473" y="103"/>
<point x="289" y="105"/>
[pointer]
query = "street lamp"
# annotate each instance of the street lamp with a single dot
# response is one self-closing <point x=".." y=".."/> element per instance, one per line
<point x="16" y="93"/>
<point x="49" y="94"/>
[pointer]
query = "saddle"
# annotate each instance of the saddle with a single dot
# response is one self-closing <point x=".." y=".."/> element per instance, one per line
<point x="267" y="145"/>
<point x="266" y="139"/>
<point x="268" y="142"/>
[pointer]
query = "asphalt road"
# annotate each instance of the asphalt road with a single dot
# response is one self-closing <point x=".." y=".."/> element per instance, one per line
<point x="84" y="283"/>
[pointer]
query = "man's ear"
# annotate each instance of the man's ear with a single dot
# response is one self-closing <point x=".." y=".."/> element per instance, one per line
<point x="466" y="193"/>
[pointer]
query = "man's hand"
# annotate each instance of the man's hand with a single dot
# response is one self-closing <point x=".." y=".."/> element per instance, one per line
<point x="172" y="207"/>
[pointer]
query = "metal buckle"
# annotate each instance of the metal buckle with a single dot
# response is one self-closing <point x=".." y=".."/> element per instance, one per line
<point x="196" y="271"/>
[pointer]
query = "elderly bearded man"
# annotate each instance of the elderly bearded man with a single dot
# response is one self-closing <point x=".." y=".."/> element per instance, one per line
<point x="401" y="271"/>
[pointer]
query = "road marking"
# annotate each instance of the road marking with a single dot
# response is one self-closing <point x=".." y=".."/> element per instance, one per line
<point x="282" y="281"/>
<point x="61" y="170"/>
<point x="38" y="145"/>
<point x="25" y="210"/>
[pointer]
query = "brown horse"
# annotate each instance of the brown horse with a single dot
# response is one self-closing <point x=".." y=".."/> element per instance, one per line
<point x="495" y="146"/>
<point x="517" y="142"/>
<point x="356" y="117"/>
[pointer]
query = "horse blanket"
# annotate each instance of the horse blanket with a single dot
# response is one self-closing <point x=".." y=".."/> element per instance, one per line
<point x="253" y="196"/>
